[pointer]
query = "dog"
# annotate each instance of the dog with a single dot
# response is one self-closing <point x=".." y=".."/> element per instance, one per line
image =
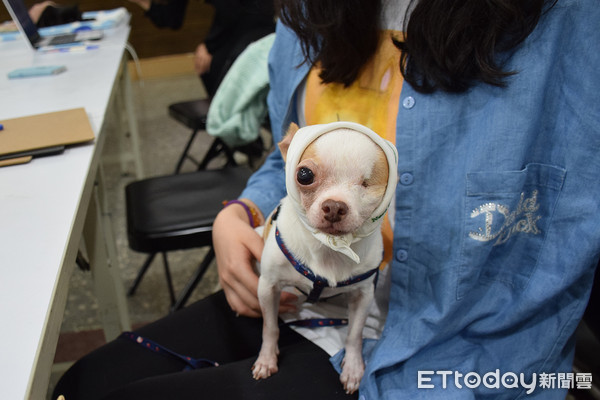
<point x="325" y="237"/>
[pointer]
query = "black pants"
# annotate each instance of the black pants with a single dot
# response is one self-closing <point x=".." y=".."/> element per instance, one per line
<point x="208" y="329"/>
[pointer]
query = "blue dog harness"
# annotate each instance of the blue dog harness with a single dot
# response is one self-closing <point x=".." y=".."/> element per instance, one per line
<point x="319" y="283"/>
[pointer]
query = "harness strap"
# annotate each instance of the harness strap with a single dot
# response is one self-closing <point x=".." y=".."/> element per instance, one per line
<point x="192" y="363"/>
<point x="197" y="363"/>
<point x="317" y="322"/>
<point x="319" y="283"/>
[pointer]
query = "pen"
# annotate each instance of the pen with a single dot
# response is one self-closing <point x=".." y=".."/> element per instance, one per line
<point x="69" y="49"/>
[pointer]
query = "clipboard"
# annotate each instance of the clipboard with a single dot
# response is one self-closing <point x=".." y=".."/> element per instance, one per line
<point x="42" y="134"/>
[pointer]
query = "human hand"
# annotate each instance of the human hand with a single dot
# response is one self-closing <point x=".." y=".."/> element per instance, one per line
<point x="202" y="59"/>
<point x="35" y="12"/>
<point x="237" y="245"/>
<point x="145" y="4"/>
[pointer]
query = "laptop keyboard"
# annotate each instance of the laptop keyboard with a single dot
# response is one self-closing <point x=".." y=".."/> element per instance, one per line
<point x="63" y="39"/>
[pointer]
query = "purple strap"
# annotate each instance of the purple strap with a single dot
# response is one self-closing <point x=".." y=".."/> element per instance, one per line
<point x="241" y="203"/>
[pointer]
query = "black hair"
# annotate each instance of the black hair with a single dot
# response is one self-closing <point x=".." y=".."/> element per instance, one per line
<point x="341" y="36"/>
<point x="449" y="45"/>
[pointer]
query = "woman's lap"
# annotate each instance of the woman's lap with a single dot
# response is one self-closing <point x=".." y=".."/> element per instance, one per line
<point x="207" y="329"/>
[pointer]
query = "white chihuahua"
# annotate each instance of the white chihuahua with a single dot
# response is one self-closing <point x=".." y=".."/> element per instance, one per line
<point x="326" y="237"/>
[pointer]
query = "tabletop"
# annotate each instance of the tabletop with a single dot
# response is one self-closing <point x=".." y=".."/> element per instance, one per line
<point x="43" y="203"/>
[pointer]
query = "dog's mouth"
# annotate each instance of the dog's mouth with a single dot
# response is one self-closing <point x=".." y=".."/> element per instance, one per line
<point x="333" y="229"/>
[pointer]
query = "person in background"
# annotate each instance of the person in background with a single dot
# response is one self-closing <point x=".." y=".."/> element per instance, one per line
<point x="236" y="24"/>
<point x="493" y="237"/>
<point x="48" y="13"/>
<point x="36" y="11"/>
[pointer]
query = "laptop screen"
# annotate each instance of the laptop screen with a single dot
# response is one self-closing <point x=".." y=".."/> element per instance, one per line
<point x="21" y="17"/>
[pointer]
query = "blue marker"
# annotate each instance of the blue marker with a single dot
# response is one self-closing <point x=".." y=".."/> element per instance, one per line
<point x="1" y="127"/>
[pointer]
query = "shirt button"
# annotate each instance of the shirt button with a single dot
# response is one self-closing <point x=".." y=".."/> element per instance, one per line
<point x="408" y="102"/>
<point x="407" y="178"/>
<point x="402" y="255"/>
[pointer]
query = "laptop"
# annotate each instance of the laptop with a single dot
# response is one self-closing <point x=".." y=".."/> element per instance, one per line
<point x="20" y="15"/>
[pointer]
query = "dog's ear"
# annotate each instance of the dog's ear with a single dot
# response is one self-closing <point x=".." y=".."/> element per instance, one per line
<point x="284" y="145"/>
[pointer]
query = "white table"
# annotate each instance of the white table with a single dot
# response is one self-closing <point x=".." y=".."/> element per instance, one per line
<point x="46" y="206"/>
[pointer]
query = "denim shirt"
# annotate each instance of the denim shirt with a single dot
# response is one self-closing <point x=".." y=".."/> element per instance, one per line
<point x="497" y="218"/>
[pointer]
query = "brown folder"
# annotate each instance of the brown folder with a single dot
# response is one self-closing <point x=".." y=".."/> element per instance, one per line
<point x="33" y="135"/>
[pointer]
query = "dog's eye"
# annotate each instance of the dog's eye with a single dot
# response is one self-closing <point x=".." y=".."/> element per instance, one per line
<point x="305" y="176"/>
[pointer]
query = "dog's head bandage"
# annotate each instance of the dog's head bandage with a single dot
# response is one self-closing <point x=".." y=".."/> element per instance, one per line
<point x="301" y="140"/>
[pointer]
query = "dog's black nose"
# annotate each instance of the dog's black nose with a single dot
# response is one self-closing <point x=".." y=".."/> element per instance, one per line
<point x="334" y="210"/>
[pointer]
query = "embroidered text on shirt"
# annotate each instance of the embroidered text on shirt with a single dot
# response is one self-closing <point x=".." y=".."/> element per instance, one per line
<point x="524" y="220"/>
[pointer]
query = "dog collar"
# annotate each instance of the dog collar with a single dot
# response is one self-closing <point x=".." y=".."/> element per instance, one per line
<point x="319" y="283"/>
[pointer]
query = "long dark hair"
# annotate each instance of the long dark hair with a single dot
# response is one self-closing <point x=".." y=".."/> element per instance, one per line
<point x="449" y="45"/>
<point x="341" y="35"/>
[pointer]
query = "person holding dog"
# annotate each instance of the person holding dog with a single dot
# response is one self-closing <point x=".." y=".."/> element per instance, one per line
<point x="492" y="240"/>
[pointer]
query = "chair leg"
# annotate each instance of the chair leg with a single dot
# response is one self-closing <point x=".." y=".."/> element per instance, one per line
<point x="230" y="158"/>
<point x="140" y="274"/>
<point x="169" y="280"/>
<point x="184" y="155"/>
<point x="215" y="149"/>
<point x="193" y="282"/>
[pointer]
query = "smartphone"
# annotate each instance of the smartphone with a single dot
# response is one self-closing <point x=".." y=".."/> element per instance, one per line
<point x="41" y="70"/>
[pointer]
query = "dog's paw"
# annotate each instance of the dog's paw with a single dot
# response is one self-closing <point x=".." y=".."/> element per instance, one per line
<point x="352" y="373"/>
<point x="264" y="366"/>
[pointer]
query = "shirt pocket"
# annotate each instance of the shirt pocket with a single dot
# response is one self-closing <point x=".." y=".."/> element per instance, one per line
<point x="507" y="217"/>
